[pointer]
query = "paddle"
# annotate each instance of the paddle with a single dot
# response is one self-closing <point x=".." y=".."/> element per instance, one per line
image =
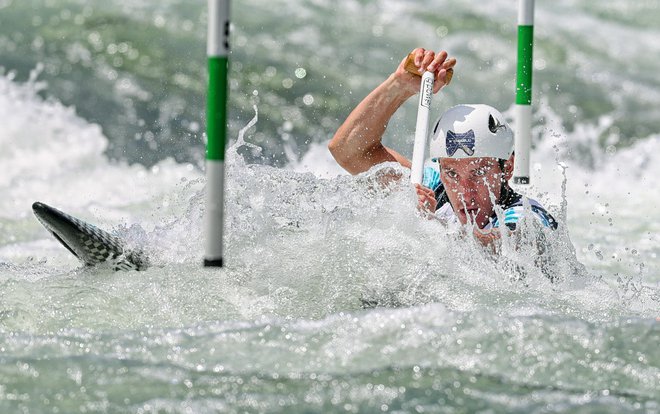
<point x="422" y="127"/>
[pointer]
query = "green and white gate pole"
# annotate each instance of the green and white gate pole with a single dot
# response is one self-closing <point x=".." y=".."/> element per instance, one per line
<point x="523" y="112"/>
<point x="216" y="129"/>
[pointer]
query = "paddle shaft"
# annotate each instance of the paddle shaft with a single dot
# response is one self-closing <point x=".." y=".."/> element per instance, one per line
<point x="422" y="127"/>
<point x="423" y="110"/>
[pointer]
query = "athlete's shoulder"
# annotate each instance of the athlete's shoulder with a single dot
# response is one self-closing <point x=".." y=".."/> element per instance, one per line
<point x="431" y="178"/>
<point x="516" y="210"/>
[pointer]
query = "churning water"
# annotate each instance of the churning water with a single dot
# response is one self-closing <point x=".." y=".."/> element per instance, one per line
<point x="102" y="116"/>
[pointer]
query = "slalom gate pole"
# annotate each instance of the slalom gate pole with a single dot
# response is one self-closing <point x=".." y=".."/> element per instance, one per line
<point x="523" y="111"/>
<point x="216" y="129"/>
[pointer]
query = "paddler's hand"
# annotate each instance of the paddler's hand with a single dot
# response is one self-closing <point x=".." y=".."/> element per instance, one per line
<point x="427" y="201"/>
<point x="488" y="238"/>
<point x="425" y="60"/>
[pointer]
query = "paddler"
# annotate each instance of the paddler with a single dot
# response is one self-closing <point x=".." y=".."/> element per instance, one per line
<point x="472" y="145"/>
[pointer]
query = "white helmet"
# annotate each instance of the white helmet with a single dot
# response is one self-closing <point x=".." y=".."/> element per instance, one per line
<point x="471" y="131"/>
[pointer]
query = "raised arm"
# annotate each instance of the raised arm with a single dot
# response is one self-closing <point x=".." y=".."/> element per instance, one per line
<point x="357" y="143"/>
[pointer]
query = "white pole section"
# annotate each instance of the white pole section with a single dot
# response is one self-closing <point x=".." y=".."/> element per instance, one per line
<point x="216" y="129"/>
<point x="422" y="128"/>
<point x="523" y="111"/>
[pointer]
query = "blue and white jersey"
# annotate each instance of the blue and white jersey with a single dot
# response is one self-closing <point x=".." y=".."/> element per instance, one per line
<point x="511" y="203"/>
<point x="513" y="213"/>
<point x="431" y="178"/>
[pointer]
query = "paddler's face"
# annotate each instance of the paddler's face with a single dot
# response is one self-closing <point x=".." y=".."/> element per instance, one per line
<point x="470" y="184"/>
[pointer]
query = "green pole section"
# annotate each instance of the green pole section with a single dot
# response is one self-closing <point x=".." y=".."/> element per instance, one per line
<point x="216" y="113"/>
<point x="524" y="73"/>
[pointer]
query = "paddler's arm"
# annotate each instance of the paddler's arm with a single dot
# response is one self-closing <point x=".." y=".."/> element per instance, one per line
<point x="357" y="143"/>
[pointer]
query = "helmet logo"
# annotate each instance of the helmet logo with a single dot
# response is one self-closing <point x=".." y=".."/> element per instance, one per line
<point x="463" y="141"/>
<point x="494" y="124"/>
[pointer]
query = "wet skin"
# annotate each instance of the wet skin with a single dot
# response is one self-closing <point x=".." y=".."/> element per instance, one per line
<point x="470" y="183"/>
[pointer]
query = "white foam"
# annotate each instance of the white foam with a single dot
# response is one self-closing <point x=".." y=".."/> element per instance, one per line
<point x="299" y="243"/>
<point x="49" y="154"/>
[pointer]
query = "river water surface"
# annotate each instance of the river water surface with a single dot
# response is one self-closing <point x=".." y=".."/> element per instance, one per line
<point x="104" y="121"/>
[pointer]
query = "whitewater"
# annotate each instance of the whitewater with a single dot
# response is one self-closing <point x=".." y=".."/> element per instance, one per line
<point x="283" y="328"/>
